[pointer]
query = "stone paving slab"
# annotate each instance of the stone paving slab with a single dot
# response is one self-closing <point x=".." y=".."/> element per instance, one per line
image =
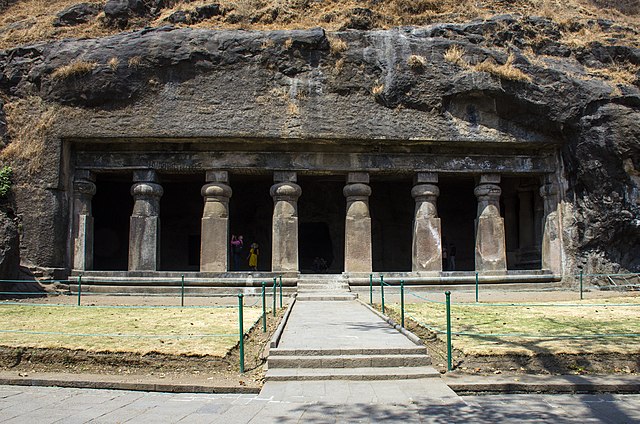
<point x="339" y="402"/>
<point x="338" y="325"/>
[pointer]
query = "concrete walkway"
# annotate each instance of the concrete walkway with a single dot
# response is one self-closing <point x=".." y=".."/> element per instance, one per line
<point x="342" y="352"/>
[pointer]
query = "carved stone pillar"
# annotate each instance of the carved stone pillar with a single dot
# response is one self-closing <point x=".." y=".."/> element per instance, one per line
<point x="285" y="193"/>
<point x="427" y="235"/>
<point x="215" y="222"/>
<point x="490" y="238"/>
<point x="84" y="189"/>
<point x="357" y="231"/>
<point x="144" y="227"/>
<point x="551" y="241"/>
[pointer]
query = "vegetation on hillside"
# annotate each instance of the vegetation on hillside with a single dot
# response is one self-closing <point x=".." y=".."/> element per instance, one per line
<point x="28" y="21"/>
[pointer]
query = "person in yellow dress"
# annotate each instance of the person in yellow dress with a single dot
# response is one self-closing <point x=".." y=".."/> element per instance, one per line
<point x="253" y="256"/>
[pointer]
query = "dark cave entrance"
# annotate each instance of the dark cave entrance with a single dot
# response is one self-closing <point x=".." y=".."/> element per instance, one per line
<point x="321" y="216"/>
<point x="392" y="210"/>
<point x="250" y="215"/>
<point x="457" y="208"/>
<point x="111" y="208"/>
<point x="523" y="211"/>
<point x="181" y="208"/>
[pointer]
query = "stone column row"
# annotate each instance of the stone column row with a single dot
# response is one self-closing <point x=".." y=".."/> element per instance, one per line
<point x="144" y="235"/>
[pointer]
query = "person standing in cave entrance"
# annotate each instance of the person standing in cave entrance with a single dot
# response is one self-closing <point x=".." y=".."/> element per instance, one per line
<point x="253" y="256"/>
<point x="445" y="258"/>
<point x="236" y="249"/>
<point x="452" y="257"/>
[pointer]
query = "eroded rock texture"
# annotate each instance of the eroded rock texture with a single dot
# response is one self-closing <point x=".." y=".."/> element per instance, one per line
<point x="306" y="84"/>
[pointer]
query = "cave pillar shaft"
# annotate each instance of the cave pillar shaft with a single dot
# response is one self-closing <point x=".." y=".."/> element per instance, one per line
<point x="357" y="237"/>
<point x="214" y="256"/>
<point x="427" y="235"/>
<point x="144" y="224"/>
<point x="551" y="242"/>
<point x="490" y="252"/>
<point x="84" y="189"/>
<point x="284" y="243"/>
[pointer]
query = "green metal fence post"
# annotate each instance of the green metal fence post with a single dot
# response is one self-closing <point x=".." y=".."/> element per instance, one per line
<point x="477" y="284"/>
<point x="370" y="289"/>
<point x="402" y="302"/>
<point x="274" y="296"/>
<point x="382" y="291"/>
<point x="448" y="295"/>
<point x="264" y="309"/>
<point x="79" y="288"/>
<point x="581" y="296"/>
<point x="241" y="327"/>
<point x="281" y="291"/>
<point x="182" y="291"/>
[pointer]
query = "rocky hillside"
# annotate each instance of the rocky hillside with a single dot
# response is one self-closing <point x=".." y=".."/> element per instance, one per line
<point x="572" y="78"/>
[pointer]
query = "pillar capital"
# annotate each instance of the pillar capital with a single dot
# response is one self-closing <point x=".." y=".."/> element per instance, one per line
<point x="146" y="190"/>
<point x="488" y="192"/>
<point x="425" y="192"/>
<point x="548" y="190"/>
<point x="84" y="183"/>
<point x="357" y="191"/>
<point x="216" y="192"/>
<point x="286" y="191"/>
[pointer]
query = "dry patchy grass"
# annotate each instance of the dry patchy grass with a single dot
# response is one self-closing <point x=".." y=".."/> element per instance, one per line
<point x="29" y="121"/>
<point x="28" y="21"/>
<point x="505" y="71"/>
<point x="455" y="55"/>
<point x="178" y="331"/>
<point x="540" y="323"/>
<point x="416" y="62"/>
<point x="625" y="73"/>
<point x="78" y="67"/>
<point x="337" y="45"/>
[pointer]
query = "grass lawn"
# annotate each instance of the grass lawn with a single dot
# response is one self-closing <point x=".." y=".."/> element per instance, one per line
<point x="188" y="331"/>
<point x="533" y="328"/>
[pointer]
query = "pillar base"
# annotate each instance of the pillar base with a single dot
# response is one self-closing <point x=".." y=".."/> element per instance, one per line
<point x="144" y="235"/>
<point x="490" y="244"/>
<point x="427" y="245"/>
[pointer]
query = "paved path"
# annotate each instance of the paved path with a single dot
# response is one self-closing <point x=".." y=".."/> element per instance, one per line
<point x="44" y="405"/>
<point x="338" y="325"/>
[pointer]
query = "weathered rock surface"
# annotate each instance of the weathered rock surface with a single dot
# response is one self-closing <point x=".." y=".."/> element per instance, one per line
<point x="77" y="14"/>
<point x="290" y="84"/>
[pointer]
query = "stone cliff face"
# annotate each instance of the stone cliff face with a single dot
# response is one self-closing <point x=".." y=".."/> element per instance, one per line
<point x="401" y="84"/>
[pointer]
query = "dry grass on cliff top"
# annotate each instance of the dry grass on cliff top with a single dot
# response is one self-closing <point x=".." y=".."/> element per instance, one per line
<point x="141" y="330"/>
<point x="29" y="21"/>
<point x="533" y="329"/>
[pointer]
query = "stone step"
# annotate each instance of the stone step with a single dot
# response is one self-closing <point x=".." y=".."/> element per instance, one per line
<point x="375" y="373"/>
<point x="348" y="361"/>
<point x="326" y="297"/>
<point x="415" y="350"/>
<point x="323" y="286"/>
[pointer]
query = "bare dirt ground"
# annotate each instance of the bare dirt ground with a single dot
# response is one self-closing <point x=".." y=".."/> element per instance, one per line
<point x="132" y="367"/>
<point x="541" y="362"/>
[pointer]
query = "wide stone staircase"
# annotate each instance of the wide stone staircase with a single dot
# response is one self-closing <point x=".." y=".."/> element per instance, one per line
<point x="322" y="288"/>
<point x="331" y="336"/>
